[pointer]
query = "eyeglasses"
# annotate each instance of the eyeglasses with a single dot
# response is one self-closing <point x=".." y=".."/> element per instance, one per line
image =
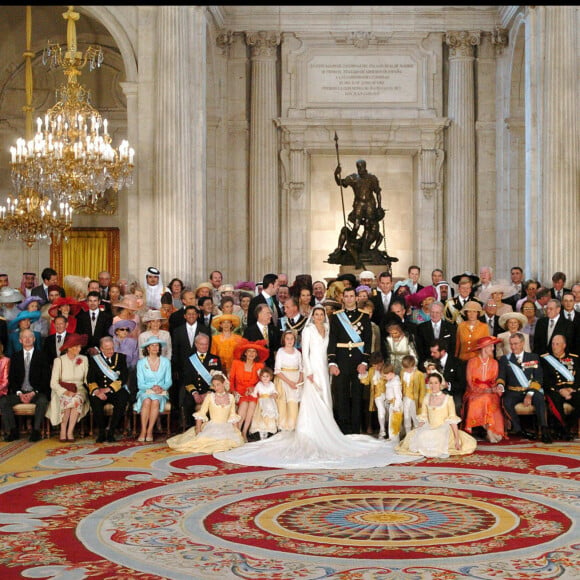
<point x="123" y="329"/>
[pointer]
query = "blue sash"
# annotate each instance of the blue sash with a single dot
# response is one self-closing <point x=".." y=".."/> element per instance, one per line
<point x="105" y="368"/>
<point x="520" y="375"/>
<point x="283" y="323"/>
<point x="562" y="369"/>
<point x="201" y="370"/>
<point x="352" y="333"/>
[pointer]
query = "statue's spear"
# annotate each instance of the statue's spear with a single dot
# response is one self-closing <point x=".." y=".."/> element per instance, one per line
<point x="341" y="192"/>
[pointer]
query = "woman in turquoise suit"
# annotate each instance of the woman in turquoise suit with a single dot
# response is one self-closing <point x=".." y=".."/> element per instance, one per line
<point x="153" y="382"/>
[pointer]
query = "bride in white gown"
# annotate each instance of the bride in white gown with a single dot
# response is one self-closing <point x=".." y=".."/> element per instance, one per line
<point x="317" y="442"/>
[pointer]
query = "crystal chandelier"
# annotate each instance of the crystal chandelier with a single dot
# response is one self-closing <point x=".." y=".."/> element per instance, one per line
<point x="31" y="216"/>
<point x="71" y="159"/>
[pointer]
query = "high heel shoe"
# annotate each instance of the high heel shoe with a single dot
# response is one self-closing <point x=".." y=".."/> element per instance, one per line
<point x="141" y="440"/>
<point x="149" y="439"/>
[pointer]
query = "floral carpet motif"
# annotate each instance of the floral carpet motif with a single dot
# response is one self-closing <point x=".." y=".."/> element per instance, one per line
<point x="142" y="511"/>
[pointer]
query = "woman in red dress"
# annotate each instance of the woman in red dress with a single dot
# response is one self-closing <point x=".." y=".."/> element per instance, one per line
<point x="249" y="358"/>
<point x="67" y="307"/>
<point x="482" y="399"/>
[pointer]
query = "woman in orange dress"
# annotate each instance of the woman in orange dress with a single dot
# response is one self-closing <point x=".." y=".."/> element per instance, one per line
<point x="470" y="330"/>
<point x="224" y="343"/>
<point x="482" y="399"/>
<point x="249" y="358"/>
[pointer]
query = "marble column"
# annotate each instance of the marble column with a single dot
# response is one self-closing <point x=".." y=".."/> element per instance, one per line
<point x="560" y="248"/>
<point x="179" y="136"/>
<point x="485" y="134"/>
<point x="264" y="196"/>
<point x="460" y="202"/>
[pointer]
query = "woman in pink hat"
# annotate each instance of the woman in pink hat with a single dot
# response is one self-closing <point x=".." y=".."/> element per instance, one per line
<point x="127" y="309"/>
<point x="482" y="399"/>
<point x="420" y="304"/>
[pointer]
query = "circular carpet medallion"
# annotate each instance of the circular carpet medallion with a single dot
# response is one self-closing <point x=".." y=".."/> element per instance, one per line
<point x="251" y="525"/>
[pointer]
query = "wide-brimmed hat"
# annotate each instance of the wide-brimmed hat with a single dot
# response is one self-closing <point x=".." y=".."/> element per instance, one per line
<point x="259" y="346"/>
<point x="416" y="299"/>
<point x="485" y="341"/>
<point x="217" y="320"/>
<point x="153" y="314"/>
<point x="521" y="318"/>
<point x="472" y="305"/>
<point x="203" y="285"/>
<point x="130" y="324"/>
<point x="23" y="315"/>
<point x="75" y="306"/>
<point x="406" y="282"/>
<point x="501" y="286"/>
<point x="464" y="277"/>
<point x="10" y="295"/>
<point x="332" y="303"/>
<point x="24" y="304"/>
<point x="129" y="301"/>
<point x="74" y="339"/>
<point x="153" y="340"/>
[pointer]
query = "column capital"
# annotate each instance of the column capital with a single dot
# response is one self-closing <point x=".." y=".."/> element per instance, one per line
<point x="263" y="43"/>
<point x="461" y="42"/>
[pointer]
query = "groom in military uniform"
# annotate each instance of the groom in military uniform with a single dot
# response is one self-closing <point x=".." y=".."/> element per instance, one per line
<point x="349" y="347"/>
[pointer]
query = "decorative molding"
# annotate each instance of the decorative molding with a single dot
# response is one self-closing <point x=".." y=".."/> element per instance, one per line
<point x="499" y="39"/>
<point x="224" y="40"/>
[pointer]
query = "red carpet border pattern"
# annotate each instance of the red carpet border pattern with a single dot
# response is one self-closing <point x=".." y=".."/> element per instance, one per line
<point x="141" y="511"/>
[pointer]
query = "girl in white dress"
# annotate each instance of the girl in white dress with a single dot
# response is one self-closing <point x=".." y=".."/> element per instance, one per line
<point x="288" y="381"/>
<point x="317" y="442"/>
<point x="265" y="418"/>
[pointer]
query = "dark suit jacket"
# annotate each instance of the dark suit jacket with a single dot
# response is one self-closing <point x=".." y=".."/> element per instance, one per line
<point x="4" y="334"/>
<point x="563" y="326"/>
<point x="39" y="375"/>
<point x="202" y="319"/>
<point x="181" y="350"/>
<point x="104" y="321"/>
<point x="424" y="338"/>
<point x="261" y="299"/>
<point x="379" y="312"/>
<point x="39" y="291"/>
<point x="533" y="372"/>
<point x="254" y="333"/>
<point x="190" y="376"/>
<point x="496" y="327"/>
<point x="553" y="292"/>
<point x="454" y="373"/>
<point x="49" y="347"/>
<point x="176" y="319"/>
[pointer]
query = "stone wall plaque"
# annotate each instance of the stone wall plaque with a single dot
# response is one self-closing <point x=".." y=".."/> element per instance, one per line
<point x="365" y="79"/>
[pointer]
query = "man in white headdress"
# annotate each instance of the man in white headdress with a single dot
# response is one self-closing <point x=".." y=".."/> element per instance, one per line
<point x="154" y="288"/>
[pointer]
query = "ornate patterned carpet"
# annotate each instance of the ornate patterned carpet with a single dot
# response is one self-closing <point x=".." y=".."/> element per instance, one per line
<point x="124" y="511"/>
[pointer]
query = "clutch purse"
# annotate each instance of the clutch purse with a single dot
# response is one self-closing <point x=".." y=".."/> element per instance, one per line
<point x="71" y="387"/>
